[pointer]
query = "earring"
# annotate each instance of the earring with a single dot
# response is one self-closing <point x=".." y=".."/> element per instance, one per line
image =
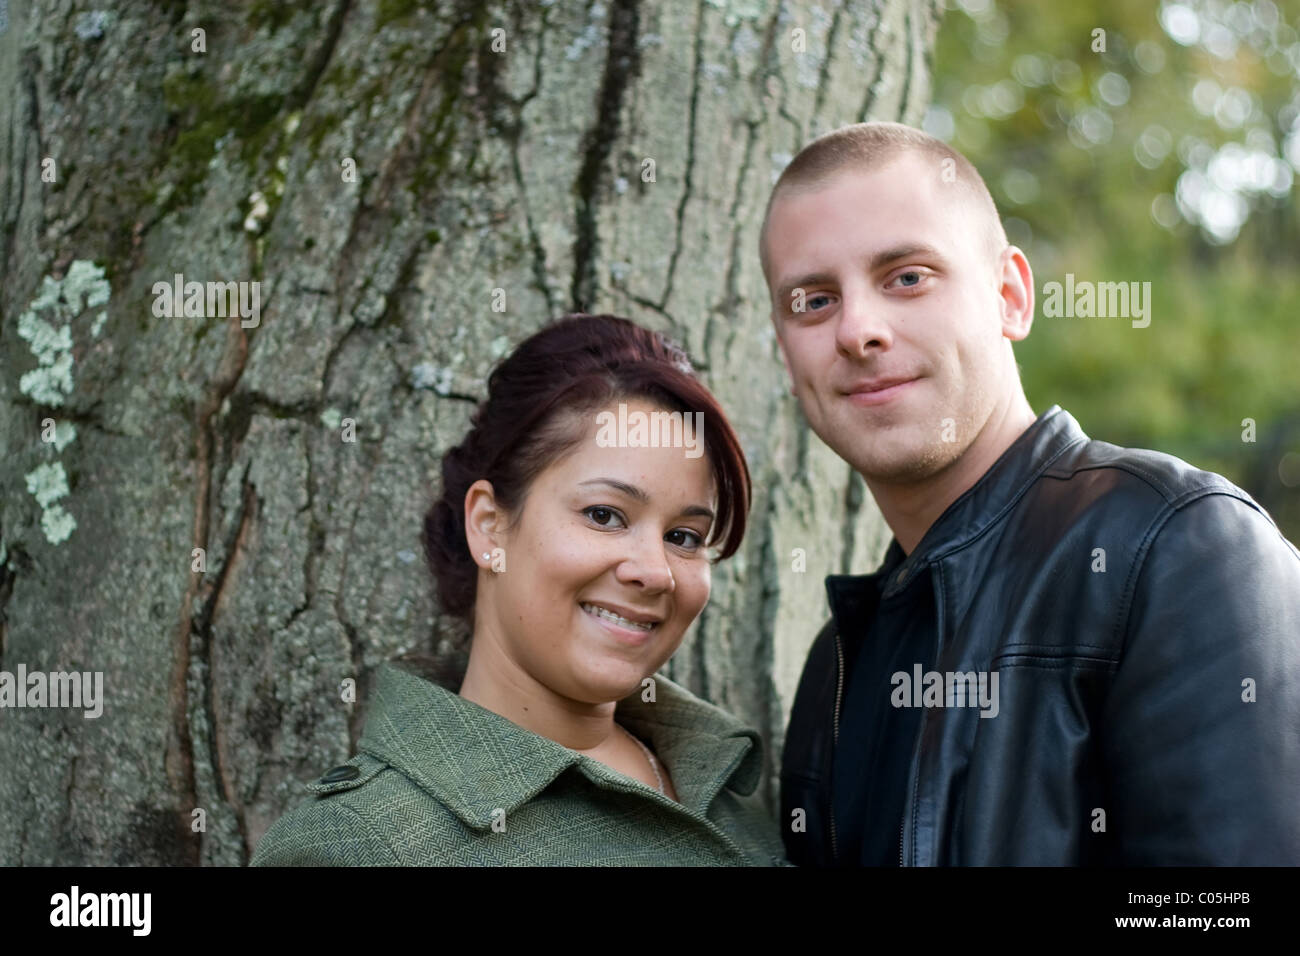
<point x="486" y="556"/>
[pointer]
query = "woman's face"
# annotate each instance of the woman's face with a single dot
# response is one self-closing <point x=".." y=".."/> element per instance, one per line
<point x="605" y="567"/>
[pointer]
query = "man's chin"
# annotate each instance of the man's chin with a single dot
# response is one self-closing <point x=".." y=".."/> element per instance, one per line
<point x="901" y="466"/>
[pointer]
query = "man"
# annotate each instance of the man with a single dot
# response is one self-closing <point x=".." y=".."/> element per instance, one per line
<point x="1073" y="653"/>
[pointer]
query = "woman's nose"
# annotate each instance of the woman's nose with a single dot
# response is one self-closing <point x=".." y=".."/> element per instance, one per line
<point x="646" y="566"/>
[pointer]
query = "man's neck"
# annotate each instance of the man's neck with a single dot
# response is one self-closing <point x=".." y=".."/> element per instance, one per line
<point x="911" y="508"/>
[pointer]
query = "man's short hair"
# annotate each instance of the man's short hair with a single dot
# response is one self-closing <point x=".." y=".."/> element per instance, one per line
<point x="866" y="146"/>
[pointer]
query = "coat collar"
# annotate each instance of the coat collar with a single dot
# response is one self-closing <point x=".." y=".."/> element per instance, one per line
<point x="475" y="761"/>
<point x="1041" y="444"/>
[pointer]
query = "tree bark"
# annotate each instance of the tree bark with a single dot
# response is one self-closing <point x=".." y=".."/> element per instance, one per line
<point x="525" y="170"/>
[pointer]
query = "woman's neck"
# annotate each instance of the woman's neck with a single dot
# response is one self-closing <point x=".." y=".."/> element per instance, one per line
<point x="496" y="682"/>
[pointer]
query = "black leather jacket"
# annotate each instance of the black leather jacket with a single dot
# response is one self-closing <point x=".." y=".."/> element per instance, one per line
<point x="1148" y="713"/>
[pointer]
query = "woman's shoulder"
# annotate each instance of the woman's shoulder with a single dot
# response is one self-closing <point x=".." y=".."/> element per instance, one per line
<point x="354" y="819"/>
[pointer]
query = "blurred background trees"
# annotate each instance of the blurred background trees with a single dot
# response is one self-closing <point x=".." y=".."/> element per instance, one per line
<point x="1151" y="142"/>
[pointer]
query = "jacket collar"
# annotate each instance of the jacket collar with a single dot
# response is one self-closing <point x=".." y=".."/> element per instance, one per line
<point x="1041" y="444"/>
<point x="475" y="761"/>
<point x="853" y="597"/>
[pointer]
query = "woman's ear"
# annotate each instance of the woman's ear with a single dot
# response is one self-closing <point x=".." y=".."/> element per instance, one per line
<point x="485" y="520"/>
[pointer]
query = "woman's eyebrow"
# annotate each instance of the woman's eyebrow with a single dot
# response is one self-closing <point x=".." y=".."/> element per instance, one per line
<point x="636" y="494"/>
<point x="632" y="491"/>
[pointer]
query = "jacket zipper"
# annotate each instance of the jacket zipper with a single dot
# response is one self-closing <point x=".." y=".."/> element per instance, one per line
<point x="914" y="772"/>
<point x="839" y="689"/>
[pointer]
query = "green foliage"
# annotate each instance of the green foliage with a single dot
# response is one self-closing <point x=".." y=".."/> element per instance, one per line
<point x="1135" y="163"/>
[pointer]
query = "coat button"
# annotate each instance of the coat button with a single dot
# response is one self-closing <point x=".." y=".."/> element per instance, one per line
<point x="345" y="772"/>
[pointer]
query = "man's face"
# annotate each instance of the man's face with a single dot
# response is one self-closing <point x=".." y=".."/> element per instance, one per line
<point x="900" y="355"/>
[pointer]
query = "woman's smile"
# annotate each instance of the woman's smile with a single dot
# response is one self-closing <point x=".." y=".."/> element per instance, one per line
<point x="623" y="629"/>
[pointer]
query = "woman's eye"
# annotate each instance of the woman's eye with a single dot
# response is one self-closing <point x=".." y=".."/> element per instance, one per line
<point x="693" y="540"/>
<point x="814" y="299"/>
<point x="601" y="515"/>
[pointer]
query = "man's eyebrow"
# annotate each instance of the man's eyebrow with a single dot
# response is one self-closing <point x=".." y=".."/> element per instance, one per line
<point x="636" y="494"/>
<point x="813" y="278"/>
<point x="905" y="250"/>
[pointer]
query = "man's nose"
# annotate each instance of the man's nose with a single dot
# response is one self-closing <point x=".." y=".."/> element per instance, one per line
<point x="646" y="564"/>
<point x="862" y="326"/>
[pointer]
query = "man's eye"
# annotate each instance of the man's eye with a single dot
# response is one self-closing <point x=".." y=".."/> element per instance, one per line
<point x="814" y="299"/>
<point x="910" y="279"/>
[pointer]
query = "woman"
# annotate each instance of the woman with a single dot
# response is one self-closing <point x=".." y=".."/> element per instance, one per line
<point x="572" y="535"/>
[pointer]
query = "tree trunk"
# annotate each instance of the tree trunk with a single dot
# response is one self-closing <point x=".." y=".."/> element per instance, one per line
<point x="603" y="156"/>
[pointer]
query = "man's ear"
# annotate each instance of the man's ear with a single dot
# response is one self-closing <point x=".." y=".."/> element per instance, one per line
<point x="1016" y="294"/>
<point x="484" y="522"/>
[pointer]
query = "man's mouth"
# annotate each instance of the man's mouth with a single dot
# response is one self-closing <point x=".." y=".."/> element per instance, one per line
<point x="597" y="611"/>
<point x="878" y="391"/>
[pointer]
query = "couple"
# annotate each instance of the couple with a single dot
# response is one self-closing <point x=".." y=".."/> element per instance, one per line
<point x="1137" y="620"/>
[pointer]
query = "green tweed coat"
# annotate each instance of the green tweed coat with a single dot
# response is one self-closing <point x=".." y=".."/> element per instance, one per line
<point x="440" y="781"/>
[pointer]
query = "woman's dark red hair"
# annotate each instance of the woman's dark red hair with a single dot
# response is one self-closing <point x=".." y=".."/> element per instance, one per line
<point x="533" y="414"/>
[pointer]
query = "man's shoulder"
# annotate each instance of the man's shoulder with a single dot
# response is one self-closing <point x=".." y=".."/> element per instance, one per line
<point x="1148" y="493"/>
<point x="1141" y="472"/>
